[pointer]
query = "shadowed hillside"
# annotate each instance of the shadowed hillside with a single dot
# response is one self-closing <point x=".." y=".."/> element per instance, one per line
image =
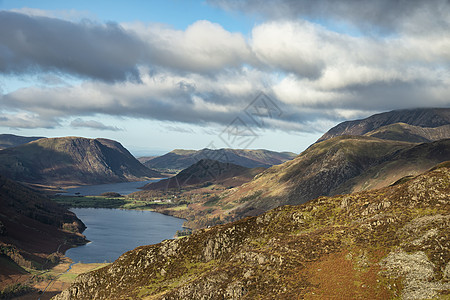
<point x="32" y="229"/>
<point x="11" y="140"/>
<point x="379" y="244"/>
<point x="72" y="160"/>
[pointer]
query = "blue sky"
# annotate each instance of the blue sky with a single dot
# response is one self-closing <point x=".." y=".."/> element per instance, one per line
<point x="160" y="75"/>
<point x="176" y="13"/>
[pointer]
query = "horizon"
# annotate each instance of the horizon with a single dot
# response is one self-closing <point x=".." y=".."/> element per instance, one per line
<point x="163" y="75"/>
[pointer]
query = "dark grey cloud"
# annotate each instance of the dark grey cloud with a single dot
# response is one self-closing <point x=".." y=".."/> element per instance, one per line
<point x="379" y="15"/>
<point x="92" y="124"/>
<point x="36" y="44"/>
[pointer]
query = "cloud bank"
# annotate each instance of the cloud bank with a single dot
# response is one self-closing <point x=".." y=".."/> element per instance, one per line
<point x="299" y="55"/>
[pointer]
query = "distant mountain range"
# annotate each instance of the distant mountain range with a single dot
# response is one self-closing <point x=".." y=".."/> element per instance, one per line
<point x="11" y="140"/>
<point x="72" y="160"/>
<point x="179" y="159"/>
<point x="438" y="118"/>
<point x="384" y="244"/>
<point x="32" y="228"/>
<point x="207" y="171"/>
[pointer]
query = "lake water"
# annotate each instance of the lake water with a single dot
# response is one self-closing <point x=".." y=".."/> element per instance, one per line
<point x="123" y="188"/>
<point x="114" y="231"/>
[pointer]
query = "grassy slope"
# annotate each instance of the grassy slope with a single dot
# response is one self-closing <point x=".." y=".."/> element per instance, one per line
<point x="373" y="245"/>
<point x="339" y="165"/>
<point x="317" y="171"/>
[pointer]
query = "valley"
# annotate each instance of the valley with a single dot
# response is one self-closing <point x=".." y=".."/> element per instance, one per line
<point x="363" y="202"/>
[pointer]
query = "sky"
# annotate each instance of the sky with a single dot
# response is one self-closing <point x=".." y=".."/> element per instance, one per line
<point x="164" y="75"/>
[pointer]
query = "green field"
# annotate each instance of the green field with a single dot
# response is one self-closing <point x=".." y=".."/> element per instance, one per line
<point x="105" y="202"/>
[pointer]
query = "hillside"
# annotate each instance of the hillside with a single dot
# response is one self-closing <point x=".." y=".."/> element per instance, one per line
<point x="72" y="160"/>
<point x="32" y="229"/>
<point x="420" y="117"/>
<point x="382" y="244"/>
<point x="410" y="133"/>
<point x="178" y="160"/>
<point x="206" y="171"/>
<point x="11" y="140"/>
<point x="338" y="165"/>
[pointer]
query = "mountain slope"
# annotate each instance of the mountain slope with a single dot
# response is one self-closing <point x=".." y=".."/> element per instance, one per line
<point x="409" y="133"/>
<point x="181" y="159"/>
<point x="32" y="227"/>
<point x="72" y="160"/>
<point x="422" y="117"/>
<point x="11" y="140"/>
<point x="381" y="244"/>
<point x="204" y="171"/>
<point x="341" y="164"/>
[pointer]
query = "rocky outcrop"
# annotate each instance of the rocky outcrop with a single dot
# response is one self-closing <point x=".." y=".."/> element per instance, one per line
<point x="392" y="242"/>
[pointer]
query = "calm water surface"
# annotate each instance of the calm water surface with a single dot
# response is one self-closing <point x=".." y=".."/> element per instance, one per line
<point x="113" y="232"/>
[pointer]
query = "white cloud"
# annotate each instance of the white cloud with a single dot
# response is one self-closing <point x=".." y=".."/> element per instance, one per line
<point x="92" y="124"/>
<point x="202" y="47"/>
<point x="208" y="75"/>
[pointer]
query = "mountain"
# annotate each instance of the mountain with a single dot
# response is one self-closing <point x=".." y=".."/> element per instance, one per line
<point x="72" y="160"/>
<point x="32" y="229"/>
<point x="385" y="244"/>
<point x="420" y="117"/>
<point x="11" y="140"/>
<point x="207" y="171"/>
<point x="410" y="133"/>
<point x="338" y="165"/>
<point x="177" y="160"/>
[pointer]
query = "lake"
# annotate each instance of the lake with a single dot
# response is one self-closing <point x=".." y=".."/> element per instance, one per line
<point x="123" y="188"/>
<point x="114" y="231"/>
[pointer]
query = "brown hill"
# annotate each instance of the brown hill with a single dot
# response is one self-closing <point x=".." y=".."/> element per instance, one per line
<point x="32" y="228"/>
<point x="72" y="160"/>
<point x="338" y="165"/>
<point x="206" y="171"/>
<point x="382" y="244"/>
<point x="421" y="117"/>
